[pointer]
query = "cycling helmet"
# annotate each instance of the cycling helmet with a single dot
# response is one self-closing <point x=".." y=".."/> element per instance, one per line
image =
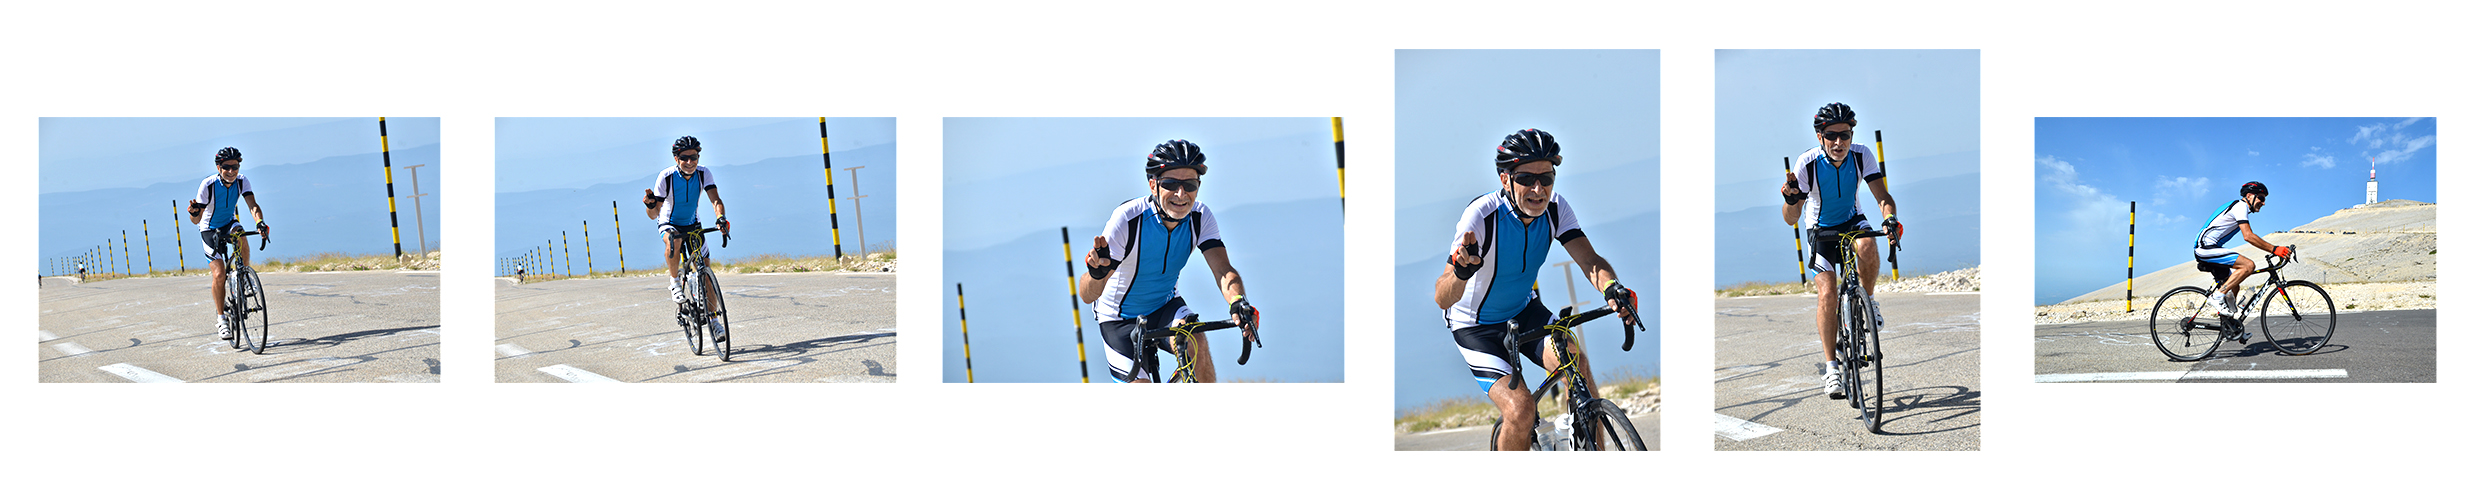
<point x="1175" y="154"/>
<point x="685" y="143"/>
<point x="1833" y="113"/>
<point x="2257" y="188"/>
<point x="1527" y="145"/>
<point x="226" y="154"/>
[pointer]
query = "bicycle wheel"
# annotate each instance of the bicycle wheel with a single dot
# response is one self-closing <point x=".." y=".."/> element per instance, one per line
<point x="1609" y="423"/>
<point x="236" y="310"/>
<point x="2298" y="318"/>
<point x="690" y="323"/>
<point x="254" y="295"/>
<point x="1847" y="348"/>
<point x="1872" y="374"/>
<point x="722" y="338"/>
<point x="2185" y="327"/>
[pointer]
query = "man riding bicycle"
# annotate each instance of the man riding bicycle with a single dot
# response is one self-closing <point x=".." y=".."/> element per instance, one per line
<point x="1487" y="290"/>
<point x="1134" y="269"/>
<point x="673" y="204"/>
<point x="214" y="211"/>
<point x="1823" y="188"/>
<point x="2214" y="255"/>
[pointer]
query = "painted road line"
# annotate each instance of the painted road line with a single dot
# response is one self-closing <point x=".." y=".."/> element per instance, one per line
<point x="139" y="375"/>
<point x="573" y="374"/>
<point x="45" y="335"/>
<point x="1952" y="293"/>
<point x="511" y="350"/>
<point x="2203" y="375"/>
<point x="1740" y="430"/>
<point x="71" y="348"/>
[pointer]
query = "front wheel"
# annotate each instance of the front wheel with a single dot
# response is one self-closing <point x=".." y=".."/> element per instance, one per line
<point x="254" y="295"/>
<point x="2298" y="318"/>
<point x="1609" y="426"/>
<point x="1872" y="377"/>
<point x="2185" y="327"/>
<point x="690" y="323"/>
<point x="716" y="315"/>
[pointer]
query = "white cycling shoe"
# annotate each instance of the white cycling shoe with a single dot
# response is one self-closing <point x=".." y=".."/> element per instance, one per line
<point x="716" y="326"/>
<point x="223" y="327"/>
<point x="677" y="297"/>
<point x="1834" y="380"/>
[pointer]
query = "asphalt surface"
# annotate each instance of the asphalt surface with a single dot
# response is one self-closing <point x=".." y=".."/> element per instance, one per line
<point x="801" y="327"/>
<point x="1768" y="394"/>
<point x="365" y="326"/>
<point x="1477" y="438"/>
<point x="2378" y="346"/>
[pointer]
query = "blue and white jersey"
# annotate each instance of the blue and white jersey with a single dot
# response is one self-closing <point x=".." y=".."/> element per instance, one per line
<point x="1834" y="190"/>
<point x="223" y="200"/>
<point x="2223" y="227"/>
<point x="681" y="192"/>
<point x="1512" y="252"/>
<point x="1150" y="256"/>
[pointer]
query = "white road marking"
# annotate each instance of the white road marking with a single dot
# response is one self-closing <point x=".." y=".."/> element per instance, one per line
<point x="45" y="335"/>
<point x="1740" y="430"/>
<point x="1952" y="293"/>
<point x="2202" y="375"/>
<point x="574" y="374"/>
<point x="71" y="348"/>
<point x="511" y="350"/>
<point x="139" y="375"/>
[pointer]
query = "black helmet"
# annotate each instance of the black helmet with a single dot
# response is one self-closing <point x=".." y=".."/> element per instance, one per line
<point x="1833" y="113"/>
<point x="2258" y="188"/>
<point x="1175" y="154"/>
<point x="1527" y="145"/>
<point x="685" y="143"/>
<point x="225" y="154"/>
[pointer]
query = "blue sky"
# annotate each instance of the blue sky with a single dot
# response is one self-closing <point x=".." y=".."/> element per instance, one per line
<point x="1926" y="101"/>
<point x="2180" y="170"/>
<point x="1010" y="184"/>
<point x="542" y="153"/>
<point x="1452" y="108"/>
<point x="142" y="151"/>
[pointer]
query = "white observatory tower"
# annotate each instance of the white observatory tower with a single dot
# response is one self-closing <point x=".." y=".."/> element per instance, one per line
<point x="2372" y="181"/>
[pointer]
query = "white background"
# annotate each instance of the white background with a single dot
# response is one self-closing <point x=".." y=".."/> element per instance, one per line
<point x="471" y="61"/>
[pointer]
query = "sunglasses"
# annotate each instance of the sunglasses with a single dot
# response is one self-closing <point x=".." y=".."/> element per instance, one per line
<point x="686" y="157"/>
<point x="1536" y="180"/>
<point x="1177" y="185"/>
<point x="235" y="166"/>
<point x="1836" y="136"/>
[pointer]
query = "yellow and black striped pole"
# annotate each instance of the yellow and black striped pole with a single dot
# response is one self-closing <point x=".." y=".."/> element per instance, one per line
<point x="127" y="267"/>
<point x="616" y="242"/>
<point x="1799" y="252"/>
<point x="1892" y="257"/>
<point x="2131" y="256"/>
<point x="146" y="235"/>
<point x="587" y="231"/>
<point x="564" y="255"/>
<point x="176" y="238"/>
<point x="834" y="229"/>
<point x="387" y="166"/>
<point x="961" y="327"/>
<point x="1339" y="191"/>
<point x="1076" y="312"/>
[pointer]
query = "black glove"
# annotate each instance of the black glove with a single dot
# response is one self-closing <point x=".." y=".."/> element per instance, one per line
<point x="1101" y="251"/>
<point x="651" y="201"/>
<point x="1792" y="195"/>
<point x="1466" y="272"/>
<point x="1243" y="313"/>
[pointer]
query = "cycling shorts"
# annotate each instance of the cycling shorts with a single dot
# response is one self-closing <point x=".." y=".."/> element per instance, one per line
<point x="213" y="240"/>
<point x="1120" y="336"/>
<point x="1485" y="349"/>
<point x="1824" y="253"/>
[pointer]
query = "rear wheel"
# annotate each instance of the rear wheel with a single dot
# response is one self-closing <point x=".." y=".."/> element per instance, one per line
<point x="2298" y="318"/>
<point x="1610" y="426"/>
<point x="717" y="314"/>
<point x="2185" y="327"/>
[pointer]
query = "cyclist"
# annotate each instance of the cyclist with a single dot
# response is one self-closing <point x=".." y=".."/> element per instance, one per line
<point x="673" y="204"/>
<point x="1134" y="268"/>
<point x="1487" y="291"/>
<point x="81" y="270"/>
<point x="1824" y="189"/>
<point x="2214" y="255"/>
<point x="214" y="211"/>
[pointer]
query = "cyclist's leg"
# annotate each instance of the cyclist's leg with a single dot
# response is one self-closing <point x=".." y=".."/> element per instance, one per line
<point x="1868" y="264"/>
<point x="1486" y="357"/>
<point x="1119" y="341"/>
<point x="713" y="296"/>
<point x="1823" y="254"/>
<point x="2239" y="272"/>
<point x="213" y="242"/>
<point x="241" y="252"/>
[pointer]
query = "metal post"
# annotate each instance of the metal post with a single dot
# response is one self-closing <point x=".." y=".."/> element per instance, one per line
<point x="1892" y="257"/>
<point x="572" y="260"/>
<point x="146" y="235"/>
<point x="1075" y="310"/>
<point x="961" y="327"/>
<point x="176" y="238"/>
<point x="555" y="265"/>
<point x="616" y="243"/>
<point x="421" y="234"/>
<point x="1799" y="254"/>
<point x="859" y="236"/>
<point x="587" y="232"/>
<point x="385" y="166"/>
<point x="2131" y="256"/>
<point x="1339" y="191"/>
<point x="834" y="228"/>
<point x="127" y="267"/>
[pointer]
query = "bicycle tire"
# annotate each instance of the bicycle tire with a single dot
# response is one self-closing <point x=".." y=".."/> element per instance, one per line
<point x="2298" y="318"/>
<point x="1873" y="369"/>
<point x="686" y="314"/>
<point x="2175" y="327"/>
<point x="1847" y="350"/>
<point x="1609" y="421"/>
<point x="235" y="311"/>
<point x="254" y="295"/>
<point x="1494" y="425"/>
<point x="722" y="340"/>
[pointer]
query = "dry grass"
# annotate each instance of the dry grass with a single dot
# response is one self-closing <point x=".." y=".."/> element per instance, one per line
<point x="333" y="261"/>
<point x="1752" y="288"/>
<point x="879" y="261"/>
<point x="1476" y="410"/>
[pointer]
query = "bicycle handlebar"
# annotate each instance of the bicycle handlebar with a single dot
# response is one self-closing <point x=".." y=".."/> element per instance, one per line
<point x="727" y="237"/>
<point x="2279" y="262"/>
<point x="245" y="235"/>
<point x="1194" y="328"/>
<point x="1568" y="320"/>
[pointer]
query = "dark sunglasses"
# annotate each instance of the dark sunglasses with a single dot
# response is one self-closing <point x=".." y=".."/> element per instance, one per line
<point x="1176" y="185"/>
<point x="1536" y="180"/>
<point x="235" y="166"/>
<point x="1837" y="136"/>
<point x="687" y="157"/>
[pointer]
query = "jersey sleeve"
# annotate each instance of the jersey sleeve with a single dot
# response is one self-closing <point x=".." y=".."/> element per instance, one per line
<point x="663" y="184"/>
<point x="1869" y="170"/>
<point x="1568" y="228"/>
<point x="1801" y="171"/>
<point x="1115" y="233"/>
<point x="1209" y="233"/>
<point x="245" y="187"/>
<point x="1475" y="214"/>
<point x="708" y="177"/>
<point x="204" y="196"/>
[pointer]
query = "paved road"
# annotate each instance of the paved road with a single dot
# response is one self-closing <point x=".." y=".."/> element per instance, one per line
<point x="803" y="327"/>
<point x="367" y="326"/>
<point x="2380" y="346"/>
<point x="1767" y="394"/>
<point x="1648" y="426"/>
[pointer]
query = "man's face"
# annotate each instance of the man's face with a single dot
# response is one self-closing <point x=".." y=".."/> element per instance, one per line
<point x="1836" y="139"/>
<point x="1531" y="200"/>
<point x="687" y="159"/>
<point x="2255" y="202"/>
<point x="229" y="170"/>
<point x="1177" y="190"/>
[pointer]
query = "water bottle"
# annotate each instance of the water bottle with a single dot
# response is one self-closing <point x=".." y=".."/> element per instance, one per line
<point x="1564" y="432"/>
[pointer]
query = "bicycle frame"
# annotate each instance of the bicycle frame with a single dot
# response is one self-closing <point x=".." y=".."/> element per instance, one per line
<point x="1857" y="346"/>
<point x="1179" y="336"/>
<point x="1561" y="333"/>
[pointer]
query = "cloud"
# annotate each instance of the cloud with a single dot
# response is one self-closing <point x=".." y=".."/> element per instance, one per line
<point x="2313" y="160"/>
<point x="2370" y="133"/>
<point x="2088" y="210"/>
<point x="2062" y="175"/>
<point x="2409" y="147"/>
<point x="2406" y="123"/>
<point x="2252" y="152"/>
<point x="2168" y="190"/>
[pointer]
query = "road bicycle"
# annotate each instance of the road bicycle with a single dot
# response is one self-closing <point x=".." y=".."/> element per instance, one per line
<point x="1176" y="338"/>
<point x="695" y="315"/>
<point x="1857" y="339"/>
<point x="1590" y="422"/>
<point x="243" y="296"/>
<point x="2297" y="316"/>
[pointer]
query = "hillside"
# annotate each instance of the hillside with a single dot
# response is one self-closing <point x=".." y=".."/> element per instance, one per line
<point x="2390" y="241"/>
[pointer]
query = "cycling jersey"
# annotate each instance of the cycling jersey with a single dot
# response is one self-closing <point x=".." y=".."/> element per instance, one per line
<point x="222" y="199"/>
<point x="1512" y="252"/>
<point x="1834" y="191"/>
<point x="2212" y="241"/>
<point x="678" y="209"/>
<point x="1150" y="256"/>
